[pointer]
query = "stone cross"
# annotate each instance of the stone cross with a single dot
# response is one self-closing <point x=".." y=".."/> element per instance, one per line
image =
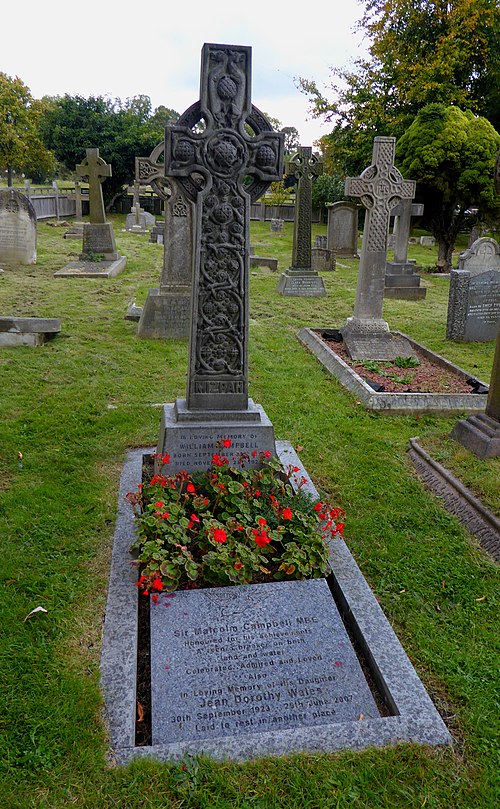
<point x="96" y="170"/>
<point x="404" y="211"/>
<point x="380" y="188"/>
<point x="78" y="201"/>
<point x="304" y="166"/>
<point x="222" y="156"/>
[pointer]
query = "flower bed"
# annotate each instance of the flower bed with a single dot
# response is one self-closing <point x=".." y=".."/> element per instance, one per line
<point x="230" y="525"/>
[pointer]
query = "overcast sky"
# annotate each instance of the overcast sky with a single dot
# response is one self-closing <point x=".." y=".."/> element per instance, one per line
<point x="123" y="48"/>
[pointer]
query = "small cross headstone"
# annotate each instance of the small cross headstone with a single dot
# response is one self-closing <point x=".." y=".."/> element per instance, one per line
<point x="210" y="168"/>
<point x="99" y="256"/>
<point x="300" y="279"/>
<point x="401" y="280"/>
<point x="380" y="188"/>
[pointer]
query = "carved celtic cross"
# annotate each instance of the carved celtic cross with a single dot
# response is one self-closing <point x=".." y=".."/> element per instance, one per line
<point x="222" y="168"/>
<point x="96" y="170"/>
<point x="304" y="166"/>
<point x="381" y="187"/>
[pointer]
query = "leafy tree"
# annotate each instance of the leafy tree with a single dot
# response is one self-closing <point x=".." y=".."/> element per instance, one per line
<point x="292" y="141"/>
<point x="451" y="154"/>
<point x="327" y="188"/>
<point x="421" y="52"/>
<point x="21" y="149"/>
<point x="120" y="130"/>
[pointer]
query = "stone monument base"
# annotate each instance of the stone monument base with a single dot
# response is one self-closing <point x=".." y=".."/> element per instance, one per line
<point x="301" y="284"/>
<point x="99" y="239"/>
<point x="190" y="437"/>
<point x="402" y="282"/>
<point x="372" y="341"/>
<point x="75" y="231"/>
<point x="480" y="434"/>
<point x="165" y="314"/>
<point x="27" y="331"/>
<point x="93" y="269"/>
<point x="262" y="261"/>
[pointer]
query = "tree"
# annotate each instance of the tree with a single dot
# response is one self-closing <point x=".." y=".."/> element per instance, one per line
<point x="120" y="130"/>
<point x="21" y="149"/>
<point x="451" y="154"/>
<point x="327" y="188"/>
<point x="292" y="141"/>
<point x="421" y="52"/>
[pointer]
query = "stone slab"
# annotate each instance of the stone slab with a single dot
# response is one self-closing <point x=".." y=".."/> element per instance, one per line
<point x="13" y="339"/>
<point x="413" y="717"/>
<point x="301" y="286"/>
<point x="396" y="402"/>
<point x="479" y="435"/>
<point x="92" y="269"/>
<point x="190" y="437"/>
<point x="262" y="261"/>
<point x="405" y="293"/>
<point x="229" y="661"/>
<point x="377" y="347"/>
<point x="134" y="312"/>
<point x="47" y="325"/>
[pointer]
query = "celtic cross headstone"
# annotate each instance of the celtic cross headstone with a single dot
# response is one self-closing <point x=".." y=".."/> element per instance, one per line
<point x="380" y="188"/>
<point x="221" y="169"/>
<point x="95" y="170"/>
<point x="167" y="309"/>
<point x="300" y="279"/>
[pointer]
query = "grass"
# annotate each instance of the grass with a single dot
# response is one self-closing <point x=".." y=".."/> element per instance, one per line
<point x="73" y="408"/>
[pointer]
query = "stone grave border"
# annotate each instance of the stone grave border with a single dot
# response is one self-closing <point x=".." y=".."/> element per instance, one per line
<point x="413" y="718"/>
<point x="445" y="403"/>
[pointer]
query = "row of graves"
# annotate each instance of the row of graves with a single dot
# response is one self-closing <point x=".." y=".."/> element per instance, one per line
<point x="272" y="667"/>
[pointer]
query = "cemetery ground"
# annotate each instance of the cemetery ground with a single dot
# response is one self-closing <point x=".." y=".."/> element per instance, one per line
<point x="76" y="405"/>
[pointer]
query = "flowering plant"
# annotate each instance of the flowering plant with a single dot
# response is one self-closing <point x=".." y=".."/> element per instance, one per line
<point x="230" y="525"/>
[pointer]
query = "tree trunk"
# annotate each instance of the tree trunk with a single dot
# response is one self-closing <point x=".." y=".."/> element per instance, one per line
<point x="445" y="254"/>
<point x="9" y="176"/>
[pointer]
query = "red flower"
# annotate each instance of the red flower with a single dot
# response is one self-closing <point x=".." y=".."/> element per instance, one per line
<point x="287" y="514"/>
<point x="166" y="458"/>
<point x="220" y="535"/>
<point x="340" y="527"/>
<point x="238" y="565"/>
<point x="257" y="494"/>
<point x="194" y="518"/>
<point x="190" y="488"/>
<point x="262" y="521"/>
<point x="141" y="581"/>
<point x="154" y="598"/>
<point x="296" y="469"/>
<point x="159" y="504"/>
<point x="262" y="539"/>
<point x="267" y="454"/>
<point x="157" y="584"/>
<point x="166" y="515"/>
<point x="226" y="443"/>
<point x="254" y="453"/>
<point x="318" y="506"/>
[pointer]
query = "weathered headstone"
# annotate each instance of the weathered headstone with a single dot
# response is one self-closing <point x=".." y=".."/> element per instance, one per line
<point x="321" y="242"/>
<point x="262" y="261"/>
<point x="17" y="228"/>
<point x="76" y="229"/>
<point x="230" y="661"/>
<point x="481" y="433"/>
<point x="99" y="256"/>
<point x="342" y="228"/>
<point x="138" y="220"/>
<point x="381" y="187"/>
<point x="300" y="280"/>
<point x="27" y="331"/>
<point x="167" y="309"/>
<point x="474" y="297"/>
<point x="217" y="401"/>
<point x="323" y="260"/>
<point x="427" y="241"/>
<point x="401" y="280"/>
<point x="276" y="225"/>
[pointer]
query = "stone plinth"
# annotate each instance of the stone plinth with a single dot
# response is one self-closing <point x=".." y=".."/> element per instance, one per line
<point x="480" y="434"/>
<point x="27" y="331"/>
<point x="323" y="260"/>
<point x="92" y="269"/>
<point x="99" y="239"/>
<point x="301" y="284"/>
<point x="166" y="313"/>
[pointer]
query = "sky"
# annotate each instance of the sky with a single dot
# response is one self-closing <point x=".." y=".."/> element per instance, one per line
<point x="124" y="48"/>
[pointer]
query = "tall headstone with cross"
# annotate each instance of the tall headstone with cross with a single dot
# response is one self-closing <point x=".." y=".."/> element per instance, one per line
<point x="401" y="280"/>
<point x="300" y="279"/>
<point x="138" y="220"/>
<point x="234" y="168"/>
<point x="380" y="188"/>
<point x="99" y="256"/>
<point x="167" y="309"/>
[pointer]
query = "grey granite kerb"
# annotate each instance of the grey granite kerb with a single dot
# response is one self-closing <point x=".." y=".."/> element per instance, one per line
<point x="414" y="717"/>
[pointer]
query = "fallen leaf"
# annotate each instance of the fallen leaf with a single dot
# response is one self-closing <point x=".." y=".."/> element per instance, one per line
<point x="298" y="448"/>
<point x="402" y="591"/>
<point x="140" y="712"/>
<point x="361" y="716"/>
<point x="483" y="598"/>
<point x="443" y="584"/>
<point x="33" y="612"/>
<point x="438" y="608"/>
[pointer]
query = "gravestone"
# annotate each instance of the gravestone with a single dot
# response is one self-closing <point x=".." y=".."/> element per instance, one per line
<point x="427" y="241"/>
<point x="262" y="261"/>
<point x="167" y="309"/>
<point x="342" y="228"/>
<point x="138" y="220"/>
<point x="230" y="661"/>
<point x="401" y="280"/>
<point x="17" y="228"/>
<point x="276" y="225"/>
<point x="300" y="280"/>
<point x="474" y="297"/>
<point x="381" y="187"/>
<point x="99" y="256"/>
<point x="321" y="242"/>
<point x="224" y="154"/>
<point x="481" y="433"/>
<point x="27" y="331"/>
<point x="323" y="260"/>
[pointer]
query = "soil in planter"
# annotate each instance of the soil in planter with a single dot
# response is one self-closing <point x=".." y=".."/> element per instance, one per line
<point x="427" y="377"/>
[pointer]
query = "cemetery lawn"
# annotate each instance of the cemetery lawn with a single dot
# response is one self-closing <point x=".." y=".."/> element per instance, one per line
<point x="74" y="406"/>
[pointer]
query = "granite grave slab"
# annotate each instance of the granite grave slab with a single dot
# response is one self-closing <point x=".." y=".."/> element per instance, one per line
<point x="229" y="661"/>
<point x="27" y="331"/>
<point x="474" y="297"/>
